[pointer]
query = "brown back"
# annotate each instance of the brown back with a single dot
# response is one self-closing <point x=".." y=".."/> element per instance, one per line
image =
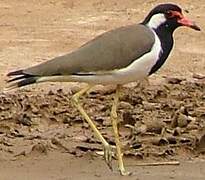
<point x="115" y="49"/>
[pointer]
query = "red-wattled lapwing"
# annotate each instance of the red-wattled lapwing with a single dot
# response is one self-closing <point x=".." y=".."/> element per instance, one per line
<point x="120" y="56"/>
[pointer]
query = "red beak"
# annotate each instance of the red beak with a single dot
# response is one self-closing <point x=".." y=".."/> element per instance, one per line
<point x="186" y="22"/>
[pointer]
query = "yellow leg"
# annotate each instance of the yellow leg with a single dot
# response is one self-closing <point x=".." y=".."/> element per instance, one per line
<point x="115" y="128"/>
<point x="107" y="147"/>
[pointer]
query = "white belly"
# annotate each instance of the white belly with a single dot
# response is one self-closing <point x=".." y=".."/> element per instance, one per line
<point x="138" y="70"/>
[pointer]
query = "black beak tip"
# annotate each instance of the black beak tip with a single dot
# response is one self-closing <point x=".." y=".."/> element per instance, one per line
<point x="195" y="27"/>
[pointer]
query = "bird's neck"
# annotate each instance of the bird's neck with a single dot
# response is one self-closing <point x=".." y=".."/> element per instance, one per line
<point x="159" y="24"/>
<point x="165" y="35"/>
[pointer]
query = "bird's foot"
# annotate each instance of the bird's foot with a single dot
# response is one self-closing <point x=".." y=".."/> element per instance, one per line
<point x="108" y="154"/>
<point x="123" y="172"/>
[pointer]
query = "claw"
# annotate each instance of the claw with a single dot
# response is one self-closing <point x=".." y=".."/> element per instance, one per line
<point x="108" y="156"/>
<point x="125" y="173"/>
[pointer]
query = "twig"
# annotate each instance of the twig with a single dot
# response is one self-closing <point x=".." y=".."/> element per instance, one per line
<point x="157" y="163"/>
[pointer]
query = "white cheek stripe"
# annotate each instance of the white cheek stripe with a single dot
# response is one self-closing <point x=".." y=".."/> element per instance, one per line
<point x="156" y="20"/>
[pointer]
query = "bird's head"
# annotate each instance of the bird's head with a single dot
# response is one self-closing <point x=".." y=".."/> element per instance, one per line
<point x="168" y="16"/>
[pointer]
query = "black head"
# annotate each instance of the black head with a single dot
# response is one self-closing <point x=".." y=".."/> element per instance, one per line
<point x="168" y="15"/>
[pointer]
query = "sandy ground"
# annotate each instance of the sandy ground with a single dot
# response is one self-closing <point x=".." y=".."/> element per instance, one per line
<point x="43" y="137"/>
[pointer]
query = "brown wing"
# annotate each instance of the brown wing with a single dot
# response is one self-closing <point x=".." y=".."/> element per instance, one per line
<point x="112" y="50"/>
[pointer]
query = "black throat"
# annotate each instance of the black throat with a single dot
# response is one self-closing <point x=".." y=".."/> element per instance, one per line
<point x="165" y="34"/>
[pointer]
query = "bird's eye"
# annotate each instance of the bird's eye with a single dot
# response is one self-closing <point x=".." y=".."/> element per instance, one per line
<point x="169" y="14"/>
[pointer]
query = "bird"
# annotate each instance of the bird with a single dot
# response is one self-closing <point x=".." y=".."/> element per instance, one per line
<point x="126" y="54"/>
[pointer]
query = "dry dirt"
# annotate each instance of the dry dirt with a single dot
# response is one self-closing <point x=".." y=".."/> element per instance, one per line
<point x="42" y="137"/>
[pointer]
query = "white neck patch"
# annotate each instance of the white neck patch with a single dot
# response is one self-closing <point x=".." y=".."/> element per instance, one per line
<point x="156" y="20"/>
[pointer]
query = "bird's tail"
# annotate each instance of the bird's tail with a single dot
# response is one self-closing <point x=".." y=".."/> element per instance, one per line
<point x="19" y="79"/>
